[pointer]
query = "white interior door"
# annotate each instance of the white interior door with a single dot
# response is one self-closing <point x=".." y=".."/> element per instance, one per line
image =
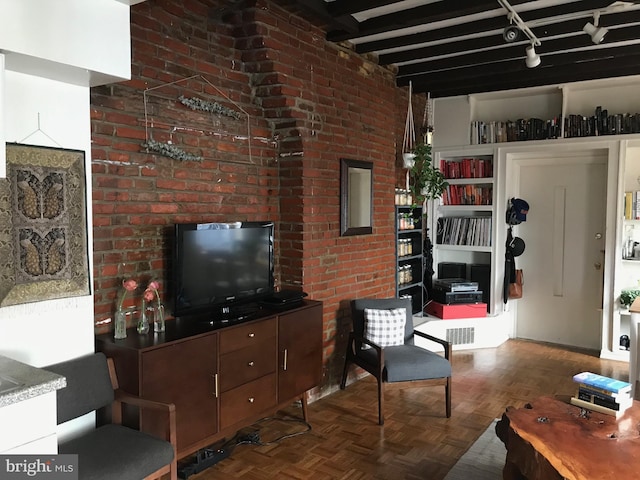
<point x="563" y="260"/>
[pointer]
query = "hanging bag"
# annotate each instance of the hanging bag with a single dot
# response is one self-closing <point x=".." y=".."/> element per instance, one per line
<point x="515" y="289"/>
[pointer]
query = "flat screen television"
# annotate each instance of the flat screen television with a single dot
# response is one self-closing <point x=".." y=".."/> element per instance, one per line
<point x="220" y="267"/>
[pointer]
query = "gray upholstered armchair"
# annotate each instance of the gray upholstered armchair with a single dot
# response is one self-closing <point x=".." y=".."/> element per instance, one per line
<point x="111" y="451"/>
<point x="400" y="362"/>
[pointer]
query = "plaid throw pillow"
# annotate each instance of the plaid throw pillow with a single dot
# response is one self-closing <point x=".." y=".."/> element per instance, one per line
<point x="385" y="327"/>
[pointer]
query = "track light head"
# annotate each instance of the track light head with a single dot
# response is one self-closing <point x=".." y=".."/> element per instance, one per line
<point x="533" y="59"/>
<point x="511" y="34"/>
<point x="597" y="33"/>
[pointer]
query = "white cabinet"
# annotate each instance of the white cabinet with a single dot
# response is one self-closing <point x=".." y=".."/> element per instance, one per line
<point x="29" y="426"/>
<point x="27" y="408"/>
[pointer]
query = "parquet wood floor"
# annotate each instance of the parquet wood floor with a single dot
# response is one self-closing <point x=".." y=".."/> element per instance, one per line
<point x="417" y="440"/>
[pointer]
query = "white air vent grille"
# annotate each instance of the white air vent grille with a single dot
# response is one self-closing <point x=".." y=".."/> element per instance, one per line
<point x="461" y="336"/>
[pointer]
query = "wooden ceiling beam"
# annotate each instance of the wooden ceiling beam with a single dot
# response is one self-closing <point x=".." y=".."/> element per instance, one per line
<point x="496" y="41"/>
<point x="349" y="7"/>
<point x="546" y="51"/>
<point x="477" y="27"/>
<point x="433" y="12"/>
<point x="513" y="74"/>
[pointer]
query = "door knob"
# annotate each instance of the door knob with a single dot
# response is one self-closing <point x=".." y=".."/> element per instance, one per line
<point x="598" y="236"/>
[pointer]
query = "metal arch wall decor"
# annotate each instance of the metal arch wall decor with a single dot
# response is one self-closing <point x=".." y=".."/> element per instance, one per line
<point x="43" y="225"/>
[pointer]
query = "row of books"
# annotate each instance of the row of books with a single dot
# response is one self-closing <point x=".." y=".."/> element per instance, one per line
<point x="467" y="168"/>
<point x="601" y="124"/>
<point x="468" y="195"/>
<point x="519" y="130"/>
<point x="632" y="205"/>
<point x="472" y="231"/>
<point x="602" y="394"/>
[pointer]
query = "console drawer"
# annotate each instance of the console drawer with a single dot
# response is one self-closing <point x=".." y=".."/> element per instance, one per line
<point x="247" y="400"/>
<point x="247" y="364"/>
<point x="249" y="335"/>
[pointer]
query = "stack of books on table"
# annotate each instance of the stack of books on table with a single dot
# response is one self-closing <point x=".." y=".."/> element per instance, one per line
<point x="602" y="394"/>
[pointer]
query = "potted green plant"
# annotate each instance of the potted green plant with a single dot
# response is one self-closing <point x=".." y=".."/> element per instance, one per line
<point x="627" y="296"/>
<point x="425" y="180"/>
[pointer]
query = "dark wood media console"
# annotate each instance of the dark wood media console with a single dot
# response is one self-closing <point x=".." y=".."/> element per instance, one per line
<point x="223" y="377"/>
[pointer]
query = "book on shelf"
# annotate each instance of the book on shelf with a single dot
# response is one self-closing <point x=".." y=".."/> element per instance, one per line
<point x="604" y="383"/>
<point x="597" y="408"/>
<point x="466" y="168"/>
<point x="629" y="207"/>
<point x="464" y="231"/>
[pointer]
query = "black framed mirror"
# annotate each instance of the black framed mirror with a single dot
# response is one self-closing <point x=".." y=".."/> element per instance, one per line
<point x="356" y="197"/>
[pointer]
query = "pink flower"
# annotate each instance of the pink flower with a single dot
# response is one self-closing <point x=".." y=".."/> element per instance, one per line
<point x="128" y="285"/>
<point x="153" y="287"/>
<point x="148" y="295"/>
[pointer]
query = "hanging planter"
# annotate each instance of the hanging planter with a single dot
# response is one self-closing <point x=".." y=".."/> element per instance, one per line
<point x="409" y="141"/>
<point x="408" y="160"/>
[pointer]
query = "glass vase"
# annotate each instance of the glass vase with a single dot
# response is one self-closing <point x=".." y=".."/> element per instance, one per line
<point x="143" y="322"/>
<point x="158" y="318"/>
<point x="120" y="322"/>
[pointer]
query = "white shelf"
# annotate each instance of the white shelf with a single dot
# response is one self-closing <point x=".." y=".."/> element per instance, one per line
<point x="465" y="208"/>
<point x="471" y="181"/>
<point x="464" y="248"/>
<point x="617" y="96"/>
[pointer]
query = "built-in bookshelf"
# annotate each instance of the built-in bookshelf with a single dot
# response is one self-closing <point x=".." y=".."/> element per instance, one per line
<point x="463" y="219"/>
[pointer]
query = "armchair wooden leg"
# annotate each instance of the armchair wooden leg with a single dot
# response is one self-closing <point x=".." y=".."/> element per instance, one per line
<point x="345" y="371"/>
<point x="305" y="411"/>
<point x="447" y="395"/>
<point x="380" y="402"/>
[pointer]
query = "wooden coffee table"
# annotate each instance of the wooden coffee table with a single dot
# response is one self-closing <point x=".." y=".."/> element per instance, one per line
<point x="551" y="439"/>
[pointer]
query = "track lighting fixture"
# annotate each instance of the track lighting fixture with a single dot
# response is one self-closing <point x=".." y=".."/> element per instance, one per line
<point x="533" y="59"/>
<point x="597" y="33"/>
<point x="510" y="35"/>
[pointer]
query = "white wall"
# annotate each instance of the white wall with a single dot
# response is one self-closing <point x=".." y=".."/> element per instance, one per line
<point x="54" y="50"/>
<point x="42" y="333"/>
<point x="78" y="41"/>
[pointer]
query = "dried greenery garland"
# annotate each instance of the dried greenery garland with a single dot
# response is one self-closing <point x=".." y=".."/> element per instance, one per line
<point x="171" y="151"/>
<point x="195" y="103"/>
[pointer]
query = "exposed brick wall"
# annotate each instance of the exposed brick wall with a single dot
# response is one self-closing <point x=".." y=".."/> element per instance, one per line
<point x="310" y="103"/>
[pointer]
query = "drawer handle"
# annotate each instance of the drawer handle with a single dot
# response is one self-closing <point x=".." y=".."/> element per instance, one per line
<point x="251" y="364"/>
<point x="284" y="363"/>
<point x="215" y="382"/>
<point x="251" y="335"/>
<point x="251" y="399"/>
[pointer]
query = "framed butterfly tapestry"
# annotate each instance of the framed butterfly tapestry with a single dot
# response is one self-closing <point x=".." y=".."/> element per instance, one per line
<point x="43" y="225"/>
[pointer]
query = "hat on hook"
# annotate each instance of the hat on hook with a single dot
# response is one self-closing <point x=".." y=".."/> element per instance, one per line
<point x="517" y="246"/>
<point x="517" y="211"/>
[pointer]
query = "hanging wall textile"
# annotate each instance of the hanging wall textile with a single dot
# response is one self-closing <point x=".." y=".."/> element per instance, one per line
<point x="43" y="225"/>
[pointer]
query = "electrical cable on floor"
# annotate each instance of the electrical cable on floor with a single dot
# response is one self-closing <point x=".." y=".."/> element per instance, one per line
<point x="208" y="457"/>
<point x="254" y="437"/>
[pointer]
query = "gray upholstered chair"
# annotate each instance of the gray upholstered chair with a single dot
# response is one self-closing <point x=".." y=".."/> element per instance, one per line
<point x="111" y="451"/>
<point x="401" y="363"/>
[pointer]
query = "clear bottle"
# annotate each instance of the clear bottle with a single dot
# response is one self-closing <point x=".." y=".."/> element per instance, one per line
<point x="143" y="322"/>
